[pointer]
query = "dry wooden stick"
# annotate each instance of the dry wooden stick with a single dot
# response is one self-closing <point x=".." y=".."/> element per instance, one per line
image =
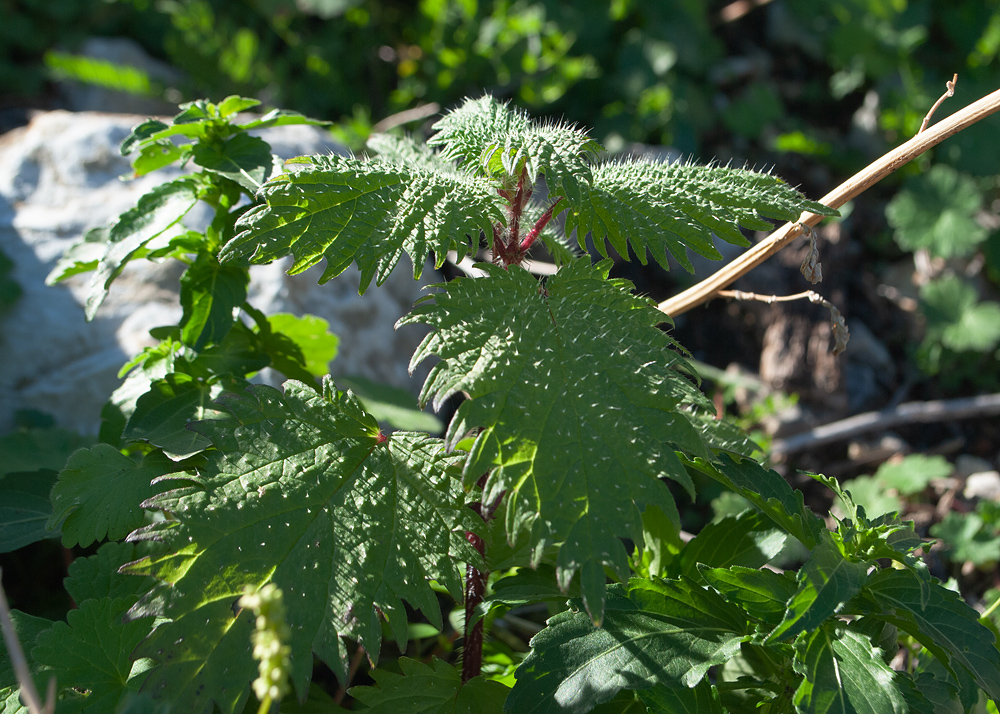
<point x="857" y="184"/>
<point x="909" y="413"/>
<point x="949" y="92"/>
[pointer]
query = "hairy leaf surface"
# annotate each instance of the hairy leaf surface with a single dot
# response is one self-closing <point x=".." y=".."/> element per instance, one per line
<point x="301" y="490"/>
<point x="582" y="405"/>
<point x="842" y="672"/>
<point x="500" y="142"/>
<point x="665" y="632"/>
<point x="347" y="210"/>
<point x="941" y="621"/>
<point x="436" y="688"/>
<point x="669" y="207"/>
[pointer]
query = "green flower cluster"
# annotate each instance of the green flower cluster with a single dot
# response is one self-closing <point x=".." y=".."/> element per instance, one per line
<point x="269" y="642"/>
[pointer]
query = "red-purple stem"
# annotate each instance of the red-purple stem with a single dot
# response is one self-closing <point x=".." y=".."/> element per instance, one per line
<point x="475" y="591"/>
<point x="538" y="227"/>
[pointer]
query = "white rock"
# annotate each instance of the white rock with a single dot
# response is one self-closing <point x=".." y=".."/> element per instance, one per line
<point x="983" y="484"/>
<point x="59" y="176"/>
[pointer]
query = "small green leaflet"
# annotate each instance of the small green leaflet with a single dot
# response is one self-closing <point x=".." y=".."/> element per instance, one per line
<point x="98" y="494"/>
<point x="655" y="632"/>
<point x="347" y="210"/>
<point x="826" y="582"/>
<point x="243" y="158"/>
<point x="763" y="594"/>
<point x="577" y="430"/>
<point x="945" y="625"/>
<point x="162" y="414"/>
<point x="956" y="318"/>
<point x="436" y="688"/>
<point x="301" y="490"/>
<point x="156" y="212"/>
<point x="209" y="294"/>
<point x="500" y="143"/>
<point x="842" y="672"/>
<point x="749" y="539"/>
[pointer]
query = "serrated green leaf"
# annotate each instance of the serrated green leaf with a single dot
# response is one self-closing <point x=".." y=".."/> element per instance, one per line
<point x="436" y="688"/>
<point x="956" y="318"/>
<point x="670" y="207"/>
<point x="770" y="493"/>
<point x="940" y="620"/>
<point x="655" y="632"/>
<point x="700" y="699"/>
<point x="842" y="672"/>
<point x="826" y="582"/>
<point x="579" y="422"/>
<point x="282" y="117"/>
<point x="311" y="335"/>
<point x="404" y="151"/>
<point x="499" y="142"/>
<point x="242" y="158"/>
<point x="913" y="473"/>
<point x="234" y="103"/>
<point x="162" y="414"/>
<point x="92" y="651"/>
<point x="98" y="494"/>
<point x="156" y="212"/>
<point x="209" y="294"/>
<point x="347" y="210"/>
<point x="937" y="211"/>
<point x="303" y="491"/>
<point x="749" y="539"/>
<point x="764" y="594"/>
<point x="25" y="508"/>
<point x="140" y="133"/>
<point x="97" y="576"/>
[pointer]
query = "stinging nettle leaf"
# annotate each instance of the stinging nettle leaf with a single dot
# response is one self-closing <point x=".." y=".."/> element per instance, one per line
<point x="243" y="158"/>
<point x="303" y="491"/>
<point x="655" y="632"/>
<point x="347" y="210"/>
<point x="579" y="422"/>
<point x="665" y="208"/>
<point x="209" y="294"/>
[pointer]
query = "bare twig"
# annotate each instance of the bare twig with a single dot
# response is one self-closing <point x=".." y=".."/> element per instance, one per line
<point x="909" y="413"/>
<point x="840" y="332"/>
<point x="16" y="655"/>
<point x="406" y="116"/>
<point x="949" y="92"/>
<point x="857" y="184"/>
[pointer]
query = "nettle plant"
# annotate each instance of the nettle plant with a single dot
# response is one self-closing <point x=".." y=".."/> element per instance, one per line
<point x="229" y="504"/>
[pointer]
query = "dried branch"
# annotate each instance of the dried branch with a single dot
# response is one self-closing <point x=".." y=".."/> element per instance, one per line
<point x="857" y="184"/>
<point x="840" y="332"/>
<point x="949" y="92"/>
<point x="940" y="410"/>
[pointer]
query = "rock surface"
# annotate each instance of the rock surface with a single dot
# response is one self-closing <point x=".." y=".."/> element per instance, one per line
<point x="59" y="176"/>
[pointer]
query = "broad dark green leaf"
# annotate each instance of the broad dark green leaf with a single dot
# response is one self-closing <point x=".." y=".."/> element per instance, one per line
<point x="580" y="421"/>
<point x="843" y="673"/>
<point x="98" y="494"/>
<point x="655" y="632"/>
<point x="27" y="628"/>
<point x="92" y="652"/>
<point x="303" y="491"/>
<point x="669" y="207"/>
<point x="749" y="539"/>
<point x="35" y="449"/>
<point x="156" y="212"/>
<point x="434" y="688"/>
<point x="163" y="413"/>
<point x="25" y="508"/>
<point x="209" y="294"/>
<point x="764" y="594"/>
<point x="942" y="622"/>
<point x="700" y="699"/>
<point x="826" y="582"/>
<point x="348" y="211"/>
<point x="243" y="158"/>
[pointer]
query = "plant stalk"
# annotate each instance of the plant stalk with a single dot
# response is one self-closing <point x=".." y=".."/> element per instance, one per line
<point x="475" y="592"/>
<point x="854" y="186"/>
